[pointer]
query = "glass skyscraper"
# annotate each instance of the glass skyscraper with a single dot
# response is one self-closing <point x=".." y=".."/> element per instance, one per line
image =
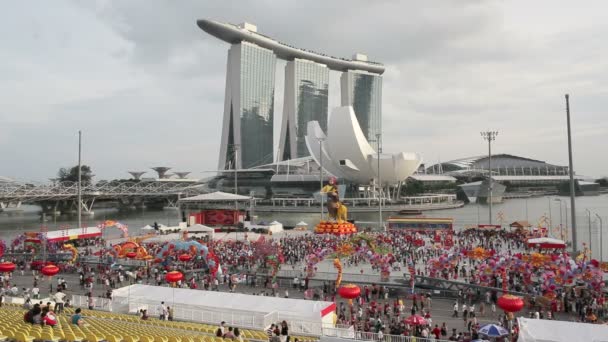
<point x="363" y="91"/>
<point x="248" y="107"/>
<point x="306" y="99"/>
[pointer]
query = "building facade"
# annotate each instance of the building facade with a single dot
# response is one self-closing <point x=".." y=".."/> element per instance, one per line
<point x="305" y="99"/>
<point x="363" y="91"/>
<point x="247" y="132"/>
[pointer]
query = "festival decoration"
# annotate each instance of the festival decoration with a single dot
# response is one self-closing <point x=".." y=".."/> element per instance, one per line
<point x="50" y="270"/>
<point x="479" y="253"/>
<point x="349" y="291"/>
<point x="73" y="250"/>
<point x="185" y="257"/>
<point x="338" y="266"/>
<point x="329" y="227"/>
<point x="510" y="303"/>
<point x="114" y="224"/>
<point x="415" y="320"/>
<point x="174" y="277"/>
<point x="194" y="248"/>
<point x="131" y="255"/>
<point x="7" y="267"/>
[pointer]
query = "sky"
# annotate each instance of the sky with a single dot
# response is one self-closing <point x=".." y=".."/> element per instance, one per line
<point x="146" y="85"/>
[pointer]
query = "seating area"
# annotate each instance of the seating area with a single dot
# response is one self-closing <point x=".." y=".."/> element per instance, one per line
<point x="115" y="327"/>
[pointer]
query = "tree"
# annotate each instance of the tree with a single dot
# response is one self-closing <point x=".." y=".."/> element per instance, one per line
<point x="71" y="175"/>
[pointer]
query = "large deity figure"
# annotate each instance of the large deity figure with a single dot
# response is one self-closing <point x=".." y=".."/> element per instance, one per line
<point x="337" y="211"/>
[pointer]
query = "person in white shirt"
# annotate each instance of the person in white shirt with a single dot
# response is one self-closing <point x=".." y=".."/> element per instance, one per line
<point x="36" y="292"/>
<point x="59" y="297"/>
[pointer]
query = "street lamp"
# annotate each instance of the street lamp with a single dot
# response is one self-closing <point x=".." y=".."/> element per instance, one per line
<point x="589" y="217"/>
<point x="601" y="238"/>
<point x="561" y="221"/>
<point x="489" y="136"/>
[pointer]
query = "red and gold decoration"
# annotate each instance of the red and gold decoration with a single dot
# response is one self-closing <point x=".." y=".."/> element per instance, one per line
<point x="350" y="292"/>
<point x="6" y="267"/>
<point x="131" y="255"/>
<point x="185" y="257"/>
<point x="338" y="266"/>
<point x="335" y="228"/>
<point x="479" y="253"/>
<point x="510" y="303"/>
<point x="50" y="270"/>
<point x="174" y="276"/>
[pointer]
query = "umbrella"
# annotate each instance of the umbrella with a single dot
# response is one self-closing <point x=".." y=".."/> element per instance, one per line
<point x="493" y="330"/>
<point x="415" y="320"/>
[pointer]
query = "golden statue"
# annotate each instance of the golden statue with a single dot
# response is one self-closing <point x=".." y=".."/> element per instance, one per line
<point x="336" y="209"/>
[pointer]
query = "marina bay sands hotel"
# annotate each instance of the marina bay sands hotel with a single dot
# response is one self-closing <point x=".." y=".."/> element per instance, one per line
<point x="247" y="129"/>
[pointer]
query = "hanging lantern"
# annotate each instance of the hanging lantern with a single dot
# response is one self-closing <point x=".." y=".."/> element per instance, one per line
<point x="174" y="276"/>
<point x="49" y="270"/>
<point x="349" y="291"/>
<point x="131" y="255"/>
<point x="6" y="267"/>
<point x="185" y="257"/>
<point x="510" y="303"/>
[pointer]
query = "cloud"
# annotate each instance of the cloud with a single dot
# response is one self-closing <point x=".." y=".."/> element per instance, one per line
<point x="146" y="85"/>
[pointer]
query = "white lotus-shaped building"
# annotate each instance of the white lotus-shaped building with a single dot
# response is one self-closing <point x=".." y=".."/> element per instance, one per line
<point x="346" y="153"/>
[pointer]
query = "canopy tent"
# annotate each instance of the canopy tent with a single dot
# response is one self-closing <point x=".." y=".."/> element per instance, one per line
<point x="537" y="330"/>
<point x="546" y="242"/>
<point x="234" y="308"/>
<point x="200" y="229"/>
<point x="147" y="227"/>
<point x="217" y="196"/>
<point x="301" y="224"/>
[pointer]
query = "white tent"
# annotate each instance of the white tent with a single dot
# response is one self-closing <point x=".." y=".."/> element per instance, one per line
<point x="544" y="330"/>
<point x="199" y="228"/>
<point x="217" y="196"/>
<point x="233" y="308"/>
<point x="147" y="227"/>
<point x="301" y="224"/>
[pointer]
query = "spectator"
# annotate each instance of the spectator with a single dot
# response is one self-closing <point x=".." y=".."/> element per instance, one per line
<point x="144" y="314"/>
<point x="48" y="317"/>
<point x="77" y="317"/>
<point x="237" y="335"/>
<point x="284" y="332"/>
<point x="59" y="296"/>
<point x="229" y="334"/>
<point x="170" y="313"/>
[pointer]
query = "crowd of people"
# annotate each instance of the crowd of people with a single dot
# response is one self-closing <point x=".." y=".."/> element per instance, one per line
<point x="377" y="310"/>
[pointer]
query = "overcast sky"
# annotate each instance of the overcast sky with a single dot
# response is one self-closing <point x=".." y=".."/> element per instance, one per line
<point x="146" y="85"/>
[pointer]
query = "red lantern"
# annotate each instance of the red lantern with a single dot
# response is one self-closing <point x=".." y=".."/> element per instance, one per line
<point x="510" y="303"/>
<point x="349" y="291"/>
<point x="131" y="255"/>
<point x="6" y="267"/>
<point x="49" y="270"/>
<point x="174" y="276"/>
<point x="185" y="257"/>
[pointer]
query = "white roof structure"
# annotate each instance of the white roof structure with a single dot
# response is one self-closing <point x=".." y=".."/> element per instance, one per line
<point x="224" y="305"/>
<point x="432" y="178"/>
<point x="537" y="330"/>
<point x="217" y="196"/>
<point x="347" y="154"/>
<point x="302" y="224"/>
<point x="198" y="228"/>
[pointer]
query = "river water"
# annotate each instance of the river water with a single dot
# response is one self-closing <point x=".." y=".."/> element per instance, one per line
<point x="531" y="209"/>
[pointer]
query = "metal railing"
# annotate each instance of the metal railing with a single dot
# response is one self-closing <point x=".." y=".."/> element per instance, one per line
<point x="351" y="334"/>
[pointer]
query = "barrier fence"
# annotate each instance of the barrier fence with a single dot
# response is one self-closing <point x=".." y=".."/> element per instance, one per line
<point x="350" y="334"/>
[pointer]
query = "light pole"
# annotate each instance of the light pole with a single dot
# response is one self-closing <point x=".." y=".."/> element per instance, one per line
<point x="601" y="239"/>
<point x="379" y="151"/>
<point x="561" y="221"/>
<point x="571" y="172"/>
<point x="321" y="174"/>
<point x="235" y="147"/>
<point x="489" y="136"/>
<point x="79" y="180"/>
<point x="550" y="218"/>
<point x="589" y="222"/>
